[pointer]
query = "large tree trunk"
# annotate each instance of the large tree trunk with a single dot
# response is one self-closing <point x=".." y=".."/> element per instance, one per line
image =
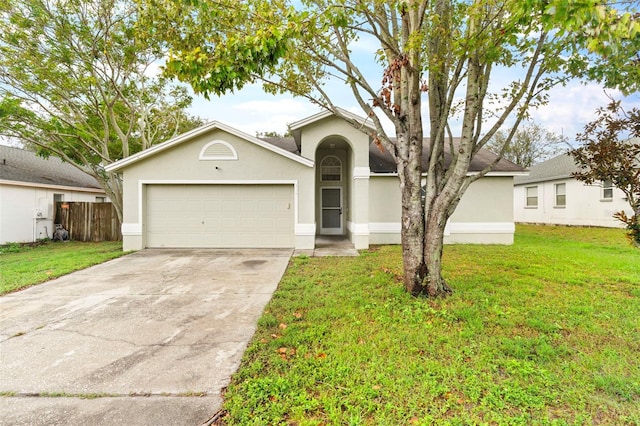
<point x="435" y="285"/>
<point x="412" y="230"/>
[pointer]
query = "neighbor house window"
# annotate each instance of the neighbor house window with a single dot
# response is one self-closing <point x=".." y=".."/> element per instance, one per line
<point x="532" y="196"/>
<point x="101" y="199"/>
<point x="58" y="198"/>
<point x="331" y="169"/>
<point x="607" y="190"/>
<point x="561" y="194"/>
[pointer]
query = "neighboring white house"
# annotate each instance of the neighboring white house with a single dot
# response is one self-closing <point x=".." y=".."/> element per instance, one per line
<point x="216" y="186"/>
<point x="29" y="186"/>
<point x="550" y="195"/>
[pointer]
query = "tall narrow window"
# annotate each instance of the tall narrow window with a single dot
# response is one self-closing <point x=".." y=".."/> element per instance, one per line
<point x="607" y="190"/>
<point x="331" y="169"/>
<point x="561" y="194"/>
<point x="532" y="196"/>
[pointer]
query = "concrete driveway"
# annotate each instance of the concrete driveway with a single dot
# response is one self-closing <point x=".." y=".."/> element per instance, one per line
<point x="147" y="339"/>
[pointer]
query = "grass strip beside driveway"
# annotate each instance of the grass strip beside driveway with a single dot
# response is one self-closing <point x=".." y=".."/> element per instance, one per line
<point x="546" y="331"/>
<point x="26" y="265"/>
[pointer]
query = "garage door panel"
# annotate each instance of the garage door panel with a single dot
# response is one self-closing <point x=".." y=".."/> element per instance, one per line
<point x="219" y="216"/>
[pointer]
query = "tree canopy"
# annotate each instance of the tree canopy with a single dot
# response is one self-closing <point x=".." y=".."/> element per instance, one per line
<point x="440" y="52"/>
<point x="531" y="144"/>
<point x="76" y="82"/>
<point x="610" y="152"/>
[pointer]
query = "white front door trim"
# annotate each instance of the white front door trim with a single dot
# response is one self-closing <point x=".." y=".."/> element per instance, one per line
<point x="333" y="230"/>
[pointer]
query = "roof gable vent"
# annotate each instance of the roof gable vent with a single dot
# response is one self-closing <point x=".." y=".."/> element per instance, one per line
<point x="218" y="150"/>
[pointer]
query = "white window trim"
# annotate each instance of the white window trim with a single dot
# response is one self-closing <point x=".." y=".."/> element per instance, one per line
<point x="341" y="171"/>
<point x="603" y="198"/>
<point x="526" y="197"/>
<point x="555" y="196"/>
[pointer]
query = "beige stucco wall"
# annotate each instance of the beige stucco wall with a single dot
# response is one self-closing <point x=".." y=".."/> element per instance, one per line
<point x="316" y="139"/>
<point x="489" y="199"/>
<point x="384" y="199"/>
<point x="483" y="216"/>
<point x="371" y="202"/>
<point x="317" y="132"/>
<point x="181" y="164"/>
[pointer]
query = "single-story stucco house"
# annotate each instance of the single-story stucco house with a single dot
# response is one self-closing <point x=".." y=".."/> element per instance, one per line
<point x="216" y="186"/>
<point x="29" y="187"/>
<point x="550" y="195"/>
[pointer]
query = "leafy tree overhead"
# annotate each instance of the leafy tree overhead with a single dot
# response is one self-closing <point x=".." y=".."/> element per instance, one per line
<point x="440" y="52"/>
<point x="75" y="82"/>
<point x="611" y="152"/>
<point x="530" y="144"/>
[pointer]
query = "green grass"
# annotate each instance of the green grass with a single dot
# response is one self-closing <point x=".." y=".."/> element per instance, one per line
<point x="26" y="265"/>
<point x="546" y="331"/>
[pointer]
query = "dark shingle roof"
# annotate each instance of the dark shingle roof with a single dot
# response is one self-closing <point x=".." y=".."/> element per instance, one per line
<point x="20" y="165"/>
<point x="560" y="167"/>
<point x="286" y="143"/>
<point x="382" y="161"/>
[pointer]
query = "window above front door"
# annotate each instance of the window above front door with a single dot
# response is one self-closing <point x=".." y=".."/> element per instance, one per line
<point x="331" y="169"/>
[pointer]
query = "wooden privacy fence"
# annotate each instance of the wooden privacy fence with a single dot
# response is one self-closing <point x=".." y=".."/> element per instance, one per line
<point x="89" y="221"/>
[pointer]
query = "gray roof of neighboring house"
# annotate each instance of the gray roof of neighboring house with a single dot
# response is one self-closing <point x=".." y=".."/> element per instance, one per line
<point x="560" y="167"/>
<point x="20" y="165"/>
<point x="382" y="161"/>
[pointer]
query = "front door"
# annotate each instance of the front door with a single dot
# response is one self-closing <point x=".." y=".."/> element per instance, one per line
<point x="331" y="215"/>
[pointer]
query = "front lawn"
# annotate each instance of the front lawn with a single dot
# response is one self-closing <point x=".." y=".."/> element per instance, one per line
<point x="546" y="331"/>
<point x="25" y="265"/>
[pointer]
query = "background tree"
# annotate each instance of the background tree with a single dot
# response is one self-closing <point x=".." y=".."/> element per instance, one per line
<point x="531" y="144"/>
<point x="273" y="134"/>
<point x="608" y="154"/>
<point x="442" y="50"/>
<point x="75" y="82"/>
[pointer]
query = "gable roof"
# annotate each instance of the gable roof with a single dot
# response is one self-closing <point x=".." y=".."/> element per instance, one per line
<point x="383" y="162"/>
<point x="185" y="137"/>
<point x="20" y="165"/>
<point x="560" y="167"/>
<point x="296" y="125"/>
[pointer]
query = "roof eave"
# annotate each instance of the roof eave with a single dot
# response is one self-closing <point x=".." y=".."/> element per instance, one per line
<point x="52" y="186"/>
<point x="501" y="173"/>
<point x="326" y="114"/>
<point x="119" y="165"/>
<point x="543" y="179"/>
<point x="472" y="173"/>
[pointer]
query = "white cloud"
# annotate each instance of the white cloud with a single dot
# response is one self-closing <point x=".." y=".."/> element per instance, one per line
<point x="366" y="44"/>
<point x="251" y="110"/>
<point x="264" y="113"/>
<point x="570" y="108"/>
<point x="153" y="69"/>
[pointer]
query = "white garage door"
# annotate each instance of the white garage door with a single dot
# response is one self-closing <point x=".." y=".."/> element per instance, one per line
<point x="220" y="216"/>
